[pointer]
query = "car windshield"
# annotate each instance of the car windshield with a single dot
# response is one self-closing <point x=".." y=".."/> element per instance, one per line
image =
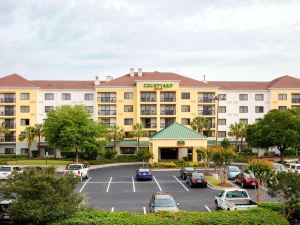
<point x="247" y="175"/>
<point x="234" y="169"/>
<point x="74" y="167"/>
<point x="189" y="169"/>
<point x="236" y="194"/>
<point x="197" y="175"/>
<point x="278" y="166"/>
<point x="164" y="202"/>
<point x="144" y="170"/>
<point x="5" y="169"/>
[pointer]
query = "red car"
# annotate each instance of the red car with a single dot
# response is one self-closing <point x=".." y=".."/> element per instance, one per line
<point x="246" y="180"/>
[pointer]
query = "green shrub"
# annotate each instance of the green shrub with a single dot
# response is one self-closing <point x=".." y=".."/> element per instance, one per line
<point x="244" y="158"/>
<point x="13" y="156"/>
<point x="193" y="164"/>
<point x="274" y="206"/>
<point x="71" y="155"/>
<point x="118" y="159"/>
<point x="165" y="164"/>
<point x="254" y="216"/>
<point x="290" y="152"/>
<point x="3" y="162"/>
<point x="110" y="154"/>
<point x="127" y="158"/>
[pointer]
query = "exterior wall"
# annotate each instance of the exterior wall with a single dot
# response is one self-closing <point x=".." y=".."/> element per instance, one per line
<point x="233" y="103"/>
<point x="275" y="102"/>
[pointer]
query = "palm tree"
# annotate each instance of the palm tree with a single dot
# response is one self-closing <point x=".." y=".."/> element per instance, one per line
<point x="236" y="131"/>
<point x="39" y="134"/>
<point x="199" y="124"/>
<point x="3" y="129"/>
<point x="28" y="135"/>
<point x="116" y="134"/>
<point x="138" y="132"/>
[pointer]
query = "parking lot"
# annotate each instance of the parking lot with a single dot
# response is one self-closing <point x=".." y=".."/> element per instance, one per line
<point x="115" y="189"/>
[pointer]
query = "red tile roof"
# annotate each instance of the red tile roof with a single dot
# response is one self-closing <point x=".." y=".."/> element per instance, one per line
<point x="64" y="84"/>
<point x="285" y="82"/>
<point x="127" y="80"/>
<point x="15" y="80"/>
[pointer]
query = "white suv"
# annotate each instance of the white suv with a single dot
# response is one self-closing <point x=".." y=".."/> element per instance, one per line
<point x="6" y="171"/>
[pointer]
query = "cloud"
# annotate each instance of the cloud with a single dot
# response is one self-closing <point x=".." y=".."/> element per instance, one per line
<point x="60" y="39"/>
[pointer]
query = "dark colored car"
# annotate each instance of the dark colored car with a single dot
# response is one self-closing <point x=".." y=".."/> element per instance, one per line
<point x="196" y="179"/>
<point x="143" y="174"/>
<point x="246" y="180"/>
<point x="4" y="216"/>
<point x="185" y="170"/>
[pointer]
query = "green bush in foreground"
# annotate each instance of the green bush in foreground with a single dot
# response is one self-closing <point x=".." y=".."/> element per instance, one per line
<point x="250" y="217"/>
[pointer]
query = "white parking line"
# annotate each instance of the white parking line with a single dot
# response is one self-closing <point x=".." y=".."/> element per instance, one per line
<point x="157" y="184"/>
<point x="208" y="209"/>
<point x="108" y="184"/>
<point x="133" y="185"/>
<point x="181" y="184"/>
<point x="84" y="184"/>
<point x="112" y="209"/>
<point x="144" y="210"/>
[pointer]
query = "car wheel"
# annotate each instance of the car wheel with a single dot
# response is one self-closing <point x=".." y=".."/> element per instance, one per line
<point x="216" y="204"/>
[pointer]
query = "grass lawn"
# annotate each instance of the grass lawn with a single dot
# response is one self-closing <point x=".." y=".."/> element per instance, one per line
<point x="39" y="162"/>
<point x="216" y="182"/>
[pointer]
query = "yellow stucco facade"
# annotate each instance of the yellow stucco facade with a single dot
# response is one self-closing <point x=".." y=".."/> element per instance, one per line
<point x="288" y="98"/>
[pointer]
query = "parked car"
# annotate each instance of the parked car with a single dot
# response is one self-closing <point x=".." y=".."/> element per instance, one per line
<point x="278" y="167"/>
<point x="234" y="199"/>
<point x="294" y="167"/>
<point x="78" y="170"/>
<point x="185" y="170"/>
<point x="232" y="172"/>
<point x="162" y="201"/>
<point x="143" y="174"/>
<point x="196" y="179"/>
<point x="7" y="171"/>
<point x="246" y="180"/>
<point x="4" y="216"/>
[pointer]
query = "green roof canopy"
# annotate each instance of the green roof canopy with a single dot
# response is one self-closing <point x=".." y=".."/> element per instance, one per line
<point x="177" y="131"/>
<point x="129" y="143"/>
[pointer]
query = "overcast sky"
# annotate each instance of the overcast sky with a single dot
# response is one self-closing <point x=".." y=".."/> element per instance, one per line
<point x="224" y="39"/>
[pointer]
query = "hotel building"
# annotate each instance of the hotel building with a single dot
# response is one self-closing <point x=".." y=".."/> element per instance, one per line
<point x="154" y="99"/>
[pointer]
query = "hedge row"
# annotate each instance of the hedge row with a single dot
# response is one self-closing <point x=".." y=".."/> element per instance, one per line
<point x="13" y="156"/>
<point x="249" y="217"/>
<point x="118" y="159"/>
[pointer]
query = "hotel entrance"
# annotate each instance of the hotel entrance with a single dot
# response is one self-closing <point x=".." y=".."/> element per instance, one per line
<point x="168" y="153"/>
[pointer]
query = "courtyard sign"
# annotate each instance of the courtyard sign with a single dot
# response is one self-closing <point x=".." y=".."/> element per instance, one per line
<point x="181" y="143"/>
<point x="158" y="85"/>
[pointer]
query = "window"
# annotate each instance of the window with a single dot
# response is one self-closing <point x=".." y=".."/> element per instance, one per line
<point x="66" y="96"/>
<point x="222" y="109"/>
<point x="25" y="96"/>
<point x="24" y="151"/>
<point x="9" y="151"/>
<point x="243" y="109"/>
<point x="259" y="97"/>
<point x="243" y="97"/>
<point x="128" y="121"/>
<point x="128" y="108"/>
<point x="88" y="96"/>
<point x="221" y="121"/>
<point x="185" y="108"/>
<point x="282" y="108"/>
<point x="48" y="108"/>
<point x="259" y="109"/>
<point x="282" y="96"/>
<point x="222" y="97"/>
<point x="49" y="96"/>
<point x="222" y="134"/>
<point x="185" y="121"/>
<point x="89" y="109"/>
<point x="127" y="150"/>
<point x="185" y="95"/>
<point x="244" y="121"/>
<point x="25" y="109"/>
<point x="128" y="95"/>
<point x="25" y="122"/>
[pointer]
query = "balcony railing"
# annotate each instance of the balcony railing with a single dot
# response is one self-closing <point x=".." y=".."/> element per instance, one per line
<point x="10" y="125"/>
<point x="150" y="99"/>
<point x="110" y="124"/>
<point x="8" y="139"/>
<point x="167" y="112"/>
<point x="148" y="112"/>
<point x="8" y="113"/>
<point x="170" y="99"/>
<point x="206" y="112"/>
<point x="7" y="100"/>
<point x="107" y="112"/>
<point x="212" y="125"/>
<point x="295" y="100"/>
<point x="206" y="99"/>
<point x="107" y="99"/>
<point x="164" y="125"/>
<point x="149" y="125"/>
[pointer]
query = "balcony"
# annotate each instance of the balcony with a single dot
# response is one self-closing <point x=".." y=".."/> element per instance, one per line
<point x="148" y="112"/>
<point x="168" y="112"/>
<point x="170" y="99"/>
<point x="212" y="125"/>
<point x="149" y="125"/>
<point x="109" y="124"/>
<point x="206" y="99"/>
<point x="10" y="125"/>
<point x="206" y="112"/>
<point x="107" y="112"/>
<point x="107" y="99"/>
<point x="164" y="125"/>
<point x="150" y="99"/>
<point x="7" y="100"/>
<point x="295" y="100"/>
<point x="8" y="139"/>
